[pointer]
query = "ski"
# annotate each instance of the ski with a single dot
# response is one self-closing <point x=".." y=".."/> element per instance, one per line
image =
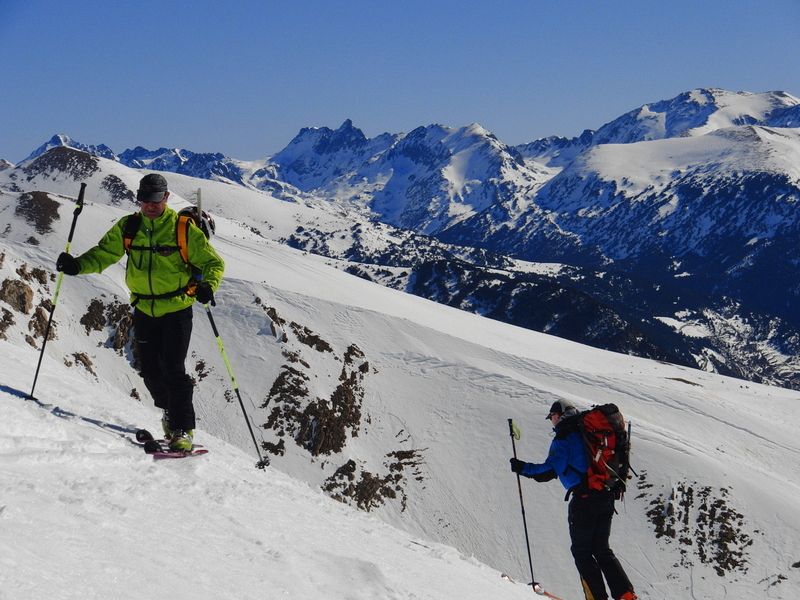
<point x="164" y="454"/>
<point x="536" y="587"/>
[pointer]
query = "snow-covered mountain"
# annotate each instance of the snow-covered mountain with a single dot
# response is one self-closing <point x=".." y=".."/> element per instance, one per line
<point x="718" y="211"/>
<point x="694" y="113"/>
<point x="691" y="113"/>
<point x="602" y="309"/>
<point x="676" y="216"/>
<point x="318" y="155"/>
<point x="424" y="181"/>
<point x="381" y="400"/>
<point x="61" y="140"/>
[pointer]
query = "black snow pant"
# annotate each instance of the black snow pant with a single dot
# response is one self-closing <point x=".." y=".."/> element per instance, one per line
<point x="590" y="515"/>
<point x="163" y="343"/>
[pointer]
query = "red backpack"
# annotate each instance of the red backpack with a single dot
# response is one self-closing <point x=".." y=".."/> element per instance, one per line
<point x="608" y="447"/>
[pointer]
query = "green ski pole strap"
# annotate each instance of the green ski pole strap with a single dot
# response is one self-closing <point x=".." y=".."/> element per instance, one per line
<point x="514" y="430"/>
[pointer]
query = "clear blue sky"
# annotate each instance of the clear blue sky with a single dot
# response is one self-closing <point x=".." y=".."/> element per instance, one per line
<point x="242" y="77"/>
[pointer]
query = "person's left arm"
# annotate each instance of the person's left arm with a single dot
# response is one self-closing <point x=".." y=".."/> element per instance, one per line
<point x="555" y="463"/>
<point x="203" y="256"/>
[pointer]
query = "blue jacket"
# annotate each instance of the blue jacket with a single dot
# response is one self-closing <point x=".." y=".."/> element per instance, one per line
<point x="567" y="458"/>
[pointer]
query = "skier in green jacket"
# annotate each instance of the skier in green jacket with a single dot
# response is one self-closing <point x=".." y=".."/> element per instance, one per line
<point x="163" y="288"/>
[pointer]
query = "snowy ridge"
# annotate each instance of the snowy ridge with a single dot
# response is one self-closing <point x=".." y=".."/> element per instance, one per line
<point x="62" y="140"/>
<point x="602" y="309"/>
<point x="687" y="204"/>
<point x="434" y="380"/>
<point x="692" y="113"/>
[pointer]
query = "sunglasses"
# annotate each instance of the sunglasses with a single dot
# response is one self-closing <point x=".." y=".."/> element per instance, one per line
<point x="150" y="197"/>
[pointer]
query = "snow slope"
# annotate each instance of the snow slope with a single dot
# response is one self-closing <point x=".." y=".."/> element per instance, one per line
<point x="711" y="515"/>
<point x="85" y="514"/>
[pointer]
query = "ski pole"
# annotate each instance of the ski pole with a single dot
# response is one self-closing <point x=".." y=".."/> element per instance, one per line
<point x="515" y="436"/>
<point x="76" y="212"/>
<point x="261" y="464"/>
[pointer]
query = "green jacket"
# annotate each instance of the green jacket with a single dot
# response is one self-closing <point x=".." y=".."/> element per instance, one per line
<point x="152" y="272"/>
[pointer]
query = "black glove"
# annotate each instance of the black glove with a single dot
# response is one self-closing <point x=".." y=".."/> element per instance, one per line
<point x="68" y="264"/>
<point x="516" y="466"/>
<point x="204" y="293"/>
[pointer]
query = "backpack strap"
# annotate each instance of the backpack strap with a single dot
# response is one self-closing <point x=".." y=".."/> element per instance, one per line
<point x="130" y="229"/>
<point x="182" y="236"/>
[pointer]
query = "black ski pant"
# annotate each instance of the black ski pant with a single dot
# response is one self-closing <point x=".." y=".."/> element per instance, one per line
<point x="590" y="515"/>
<point x="163" y="343"/>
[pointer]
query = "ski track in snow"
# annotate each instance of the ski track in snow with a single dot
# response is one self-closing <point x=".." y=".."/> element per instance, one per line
<point x="90" y="516"/>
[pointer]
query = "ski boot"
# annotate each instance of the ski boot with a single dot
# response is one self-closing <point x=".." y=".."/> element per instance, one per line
<point x="181" y="441"/>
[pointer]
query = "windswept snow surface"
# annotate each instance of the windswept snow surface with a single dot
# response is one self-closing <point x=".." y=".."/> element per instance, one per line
<point x="85" y="514"/>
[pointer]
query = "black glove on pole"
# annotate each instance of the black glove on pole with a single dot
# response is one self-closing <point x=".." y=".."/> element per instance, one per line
<point x="536" y="586"/>
<point x="67" y="264"/>
<point x="76" y="212"/>
<point x="261" y="462"/>
<point x="204" y="293"/>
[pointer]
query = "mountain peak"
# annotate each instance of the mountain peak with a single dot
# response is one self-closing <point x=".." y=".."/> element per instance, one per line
<point x="346" y="125"/>
<point x="63" y="140"/>
<point x="346" y="137"/>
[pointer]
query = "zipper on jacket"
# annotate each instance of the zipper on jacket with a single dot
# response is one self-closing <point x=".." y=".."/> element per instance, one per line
<point x="150" y="270"/>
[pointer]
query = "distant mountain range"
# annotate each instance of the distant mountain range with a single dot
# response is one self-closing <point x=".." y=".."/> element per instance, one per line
<point x="680" y="215"/>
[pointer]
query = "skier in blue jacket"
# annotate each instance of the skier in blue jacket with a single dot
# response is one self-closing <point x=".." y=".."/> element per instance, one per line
<point x="590" y="511"/>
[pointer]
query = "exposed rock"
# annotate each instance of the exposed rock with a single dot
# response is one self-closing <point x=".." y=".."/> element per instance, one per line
<point x="201" y="369"/>
<point x="36" y="274"/>
<point x="702" y="522"/>
<point x="6" y="322"/>
<point x="83" y="359"/>
<point x="116" y="315"/>
<point x="120" y="317"/>
<point x="78" y="165"/>
<point x="368" y="490"/>
<point x="38" y="324"/>
<point x="17" y="294"/>
<point x="309" y="338"/>
<point x="94" y="319"/>
<point x="39" y="211"/>
<point x="117" y="189"/>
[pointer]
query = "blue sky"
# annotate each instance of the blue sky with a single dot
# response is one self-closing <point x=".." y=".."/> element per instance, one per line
<point x="242" y="77"/>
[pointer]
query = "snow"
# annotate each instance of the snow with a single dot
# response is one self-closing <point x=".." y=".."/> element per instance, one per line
<point x="688" y="329"/>
<point x="737" y="108"/>
<point x="642" y="166"/>
<point x="85" y="514"/>
<point x="656" y="122"/>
